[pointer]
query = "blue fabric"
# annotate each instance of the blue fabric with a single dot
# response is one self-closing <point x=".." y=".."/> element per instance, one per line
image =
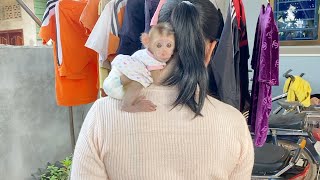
<point x="132" y="27"/>
<point x="150" y="7"/>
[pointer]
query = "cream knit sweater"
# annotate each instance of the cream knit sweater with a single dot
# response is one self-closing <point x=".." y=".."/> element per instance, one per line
<point x="163" y="145"/>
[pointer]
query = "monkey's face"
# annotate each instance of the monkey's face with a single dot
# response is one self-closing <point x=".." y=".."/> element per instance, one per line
<point x="162" y="48"/>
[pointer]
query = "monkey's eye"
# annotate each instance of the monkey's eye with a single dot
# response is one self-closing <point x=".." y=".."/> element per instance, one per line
<point x="169" y="45"/>
<point x="159" y="45"/>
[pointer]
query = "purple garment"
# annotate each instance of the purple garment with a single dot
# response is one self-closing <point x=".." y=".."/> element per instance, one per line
<point x="265" y="63"/>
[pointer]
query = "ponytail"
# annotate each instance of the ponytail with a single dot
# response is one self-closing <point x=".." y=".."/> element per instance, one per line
<point x="190" y="72"/>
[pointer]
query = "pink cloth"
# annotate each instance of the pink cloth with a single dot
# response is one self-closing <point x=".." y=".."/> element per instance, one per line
<point x="155" y="17"/>
<point x="152" y="68"/>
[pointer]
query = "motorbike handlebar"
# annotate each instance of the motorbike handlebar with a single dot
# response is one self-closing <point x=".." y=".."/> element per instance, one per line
<point x="288" y="75"/>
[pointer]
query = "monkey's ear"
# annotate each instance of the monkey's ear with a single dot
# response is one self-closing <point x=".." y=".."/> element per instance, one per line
<point x="145" y="39"/>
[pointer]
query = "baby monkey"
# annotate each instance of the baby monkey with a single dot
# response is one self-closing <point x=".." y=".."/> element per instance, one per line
<point x="130" y="74"/>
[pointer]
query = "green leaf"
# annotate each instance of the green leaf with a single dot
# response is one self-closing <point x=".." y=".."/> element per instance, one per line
<point x="57" y="171"/>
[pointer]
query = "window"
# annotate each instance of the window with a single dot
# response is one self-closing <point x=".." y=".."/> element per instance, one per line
<point x="298" y="21"/>
<point x="12" y="37"/>
<point x="10" y="11"/>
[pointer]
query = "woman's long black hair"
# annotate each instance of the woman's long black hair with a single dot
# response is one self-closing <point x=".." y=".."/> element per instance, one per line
<point x="190" y="22"/>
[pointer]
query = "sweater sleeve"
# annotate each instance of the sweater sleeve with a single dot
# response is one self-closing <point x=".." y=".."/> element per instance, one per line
<point x="243" y="170"/>
<point x="86" y="163"/>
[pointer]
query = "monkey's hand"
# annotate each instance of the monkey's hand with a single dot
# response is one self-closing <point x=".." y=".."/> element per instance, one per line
<point x="102" y="93"/>
<point x="141" y="104"/>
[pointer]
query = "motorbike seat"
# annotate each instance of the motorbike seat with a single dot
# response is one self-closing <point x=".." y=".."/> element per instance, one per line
<point x="289" y="105"/>
<point x="288" y="121"/>
<point x="270" y="159"/>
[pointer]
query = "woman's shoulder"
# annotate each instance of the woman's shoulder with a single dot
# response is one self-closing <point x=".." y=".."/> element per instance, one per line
<point x="219" y="105"/>
<point x="225" y="119"/>
<point x="107" y="103"/>
<point x="223" y="112"/>
<point x="103" y="108"/>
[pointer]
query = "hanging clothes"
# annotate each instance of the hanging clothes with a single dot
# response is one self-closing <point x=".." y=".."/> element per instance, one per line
<point x="265" y="63"/>
<point x="155" y="17"/>
<point x="104" y="38"/>
<point x="88" y="19"/>
<point x="224" y="66"/>
<point x="244" y="56"/>
<point x="76" y="74"/>
<point x="89" y="15"/>
<point x="133" y="26"/>
<point x="150" y="7"/>
<point x="102" y="4"/>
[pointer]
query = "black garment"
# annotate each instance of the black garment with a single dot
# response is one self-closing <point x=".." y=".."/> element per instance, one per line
<point x="244" y="58"/>
<point x="244" y="79"/>
<point x="225" y="64"/>
<point x="132" y="27"/>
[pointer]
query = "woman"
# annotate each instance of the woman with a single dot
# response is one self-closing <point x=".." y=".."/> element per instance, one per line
<point x="189" y="136"/>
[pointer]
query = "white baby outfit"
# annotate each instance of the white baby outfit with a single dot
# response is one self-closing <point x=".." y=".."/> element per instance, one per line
<point x="136" y="67"/>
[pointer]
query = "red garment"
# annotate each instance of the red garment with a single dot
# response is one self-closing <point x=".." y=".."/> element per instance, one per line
<point x="241" y="19"/>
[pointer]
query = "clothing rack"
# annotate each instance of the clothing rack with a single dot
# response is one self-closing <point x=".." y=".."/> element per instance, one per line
<point x="38" y="21"/>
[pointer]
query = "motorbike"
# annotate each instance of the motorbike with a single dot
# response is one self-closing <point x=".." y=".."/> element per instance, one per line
<point x="289" y="152"/>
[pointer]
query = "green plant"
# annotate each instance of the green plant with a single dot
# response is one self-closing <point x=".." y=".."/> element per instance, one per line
<point x="57" y="171"/>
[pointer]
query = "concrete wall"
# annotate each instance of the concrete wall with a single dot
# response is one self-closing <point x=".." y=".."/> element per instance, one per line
<point x="25" y="22"/>
<point x="294" y="58"/>
<point x="33" y="129"/>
